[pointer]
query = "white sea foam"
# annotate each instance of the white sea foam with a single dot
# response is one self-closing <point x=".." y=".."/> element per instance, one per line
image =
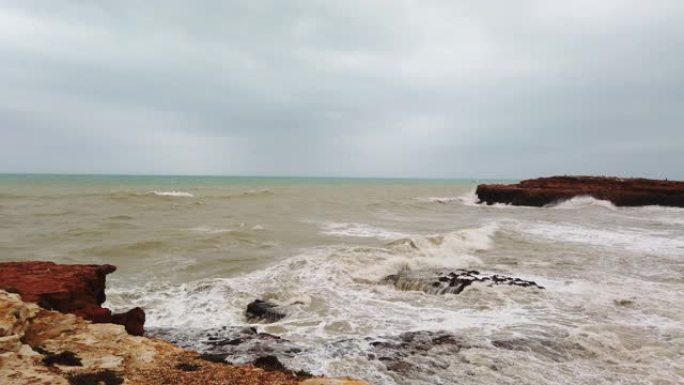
<point x="359" y="230"/>
<point x="636" y="240"/>
<point x="174" y="194"/>
<point x="659" y="214"/>
<point x="344" y="278"/>
<point x="582" y="202"/>
<point x="209" y="230"/>
<point x="439" y="199"/>
<point x="334" y="303"/>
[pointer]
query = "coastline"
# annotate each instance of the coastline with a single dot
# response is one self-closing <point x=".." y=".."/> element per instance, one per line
<point x="50" y="347"/>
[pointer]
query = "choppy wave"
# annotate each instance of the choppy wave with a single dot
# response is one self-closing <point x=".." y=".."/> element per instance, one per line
<point x="210" y="230"/>
<point x="468" y="199"/>
<point x="174" y="194"/>
<point x="359" y="230"/>
<point x="263" y="191"/>
<point x="611" y="310"/>
<point x="636" y="240"/>
<point x="333" y="276"/>
<point x="582" y="202"/>
<point x="335" y="308"/>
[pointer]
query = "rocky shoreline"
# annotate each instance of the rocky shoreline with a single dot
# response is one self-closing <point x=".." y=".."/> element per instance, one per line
<point x="75" y="289"/>
<point x="53" y="330"/>
<point x="619" y="191"/>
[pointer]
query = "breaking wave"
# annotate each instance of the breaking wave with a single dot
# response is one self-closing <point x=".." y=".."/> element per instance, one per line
<point x="635" y="240"/>
<point x="582" y="202"/>
<point x="359" y="230"/>
<point x="334" y="276"/>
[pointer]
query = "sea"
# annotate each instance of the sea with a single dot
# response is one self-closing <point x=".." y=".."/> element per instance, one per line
<point x="606" y="308"/>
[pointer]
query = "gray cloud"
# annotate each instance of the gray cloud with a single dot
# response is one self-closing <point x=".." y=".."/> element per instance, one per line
<point x="359" y="88"/>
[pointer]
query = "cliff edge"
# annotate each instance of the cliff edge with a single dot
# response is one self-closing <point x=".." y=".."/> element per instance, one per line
<point x="42" y="346"/>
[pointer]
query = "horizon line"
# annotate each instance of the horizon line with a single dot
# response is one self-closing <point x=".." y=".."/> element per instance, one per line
<point x="248" y="176"/>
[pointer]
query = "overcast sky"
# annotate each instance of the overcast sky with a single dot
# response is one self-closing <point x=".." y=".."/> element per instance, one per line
<point x="482" y="88"/>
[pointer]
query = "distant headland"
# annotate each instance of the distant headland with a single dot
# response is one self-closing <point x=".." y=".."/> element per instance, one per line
<point x="619" y="191"/>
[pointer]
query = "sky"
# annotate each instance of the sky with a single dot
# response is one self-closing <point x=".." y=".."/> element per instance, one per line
<point x="431" y="89"/>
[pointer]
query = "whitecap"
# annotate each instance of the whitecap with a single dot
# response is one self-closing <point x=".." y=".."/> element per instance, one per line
<point x="638" y="240"/>
<point x="582" y="202"/>
<point x="359" y="230"/>
<point x="209" y="230"/>
<point x="174" y="194"/>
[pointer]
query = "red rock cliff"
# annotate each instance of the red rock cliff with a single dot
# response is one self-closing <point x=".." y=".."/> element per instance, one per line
<point x="77" y="289"/>
<point x="619" y="191"/>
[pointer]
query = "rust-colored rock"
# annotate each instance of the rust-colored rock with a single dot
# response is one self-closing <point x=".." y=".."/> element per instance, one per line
<point x="133" y="320"/>
<point x="76" y="289"/>
<point x="619" y="191"/>
<point x="46" y="347"/>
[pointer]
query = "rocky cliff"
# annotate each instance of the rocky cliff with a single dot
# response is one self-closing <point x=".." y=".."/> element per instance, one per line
<point x="39" y="346"/>
<point x="76" y="289"/>
<point x="619" y="191"/>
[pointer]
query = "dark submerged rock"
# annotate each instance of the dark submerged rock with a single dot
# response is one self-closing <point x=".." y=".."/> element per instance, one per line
<point x="263" y="311"/>
<point x="229" y="344"/>
<point x="454" y="282"/>
<point x="416" y="351"/>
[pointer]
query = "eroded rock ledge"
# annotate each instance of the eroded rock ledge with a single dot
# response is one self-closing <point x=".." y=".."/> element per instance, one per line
<point x="76" y="289"/>
<point x="620" y="191"/>
<point x="39" y="346"/>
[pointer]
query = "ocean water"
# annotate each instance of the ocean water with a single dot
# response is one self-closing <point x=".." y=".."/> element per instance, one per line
<point x="194" y="251"/>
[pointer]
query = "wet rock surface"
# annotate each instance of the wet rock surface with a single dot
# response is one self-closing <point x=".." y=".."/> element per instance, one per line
<point x="76" y="289"/>
<point x="48" y="347"/>
<point x="416" y="351"/>
<point x="453" y="282"/>
<point x="229" y="344"/>
<point x="264" y="311"/>
<point x="620" y="191"/>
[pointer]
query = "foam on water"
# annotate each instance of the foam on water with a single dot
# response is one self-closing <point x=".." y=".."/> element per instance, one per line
<point x="209" y="230"/>
<point x="610" y="314"/>
<point x="336" y="279"/>
<point x="635" y="240"/>
<point x="359" y="230"/>
<point x="582" y="202"/>
<point x="174" y="194"/>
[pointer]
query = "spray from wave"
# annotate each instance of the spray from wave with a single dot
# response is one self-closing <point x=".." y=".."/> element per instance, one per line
<point x="328" y="279"/>
<point x="582" y="202"/>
